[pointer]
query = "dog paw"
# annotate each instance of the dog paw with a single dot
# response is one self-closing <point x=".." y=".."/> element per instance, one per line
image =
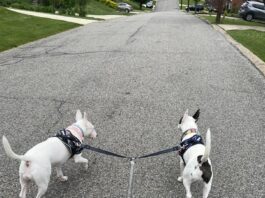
<point x="180" y="179"/>
<point x="63" y="178"/>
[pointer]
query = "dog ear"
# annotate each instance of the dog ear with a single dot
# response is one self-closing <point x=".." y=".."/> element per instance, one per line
<point x="78" y="115"/>
<point x="85" y="115"/>
<point x="180" y="120"/>
<point x="196" y="115"/>
<point x="185" y="115"/>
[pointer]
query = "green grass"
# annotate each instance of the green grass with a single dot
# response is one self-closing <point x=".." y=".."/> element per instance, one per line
<point x="17" y="29"/>
<point x="251" y="39"/>
<point x="211" y="19"/>
<point x="98" y="8"/>
<point x="95" y="7"/>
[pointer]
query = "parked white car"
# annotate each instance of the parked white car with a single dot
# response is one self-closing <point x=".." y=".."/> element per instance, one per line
<point x="125" y="7"/>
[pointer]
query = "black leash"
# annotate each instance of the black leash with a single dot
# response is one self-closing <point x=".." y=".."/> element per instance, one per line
<point x="98" y="150"/>
<point x="169" y="150"/>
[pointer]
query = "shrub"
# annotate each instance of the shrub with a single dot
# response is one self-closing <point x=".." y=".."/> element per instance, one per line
<point x="36" y="8"/>
<point x="109" y="3"/>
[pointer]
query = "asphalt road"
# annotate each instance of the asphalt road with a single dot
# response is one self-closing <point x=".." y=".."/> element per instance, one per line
<point x="135" y="77"/>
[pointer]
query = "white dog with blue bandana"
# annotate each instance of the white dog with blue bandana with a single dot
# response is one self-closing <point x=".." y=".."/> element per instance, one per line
<point x="194" y="161"/>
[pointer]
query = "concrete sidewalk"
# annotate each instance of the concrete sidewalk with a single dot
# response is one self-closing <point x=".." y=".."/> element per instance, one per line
<point x="241" y="27"/>
<point x="77" y="20"/>
<point x="105" y="17"/>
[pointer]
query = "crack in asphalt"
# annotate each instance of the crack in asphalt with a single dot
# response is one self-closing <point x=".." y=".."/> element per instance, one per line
<point x="54" y="54"/>
<point x="4" y="63"/>
<point x="131" y="38"/>
<point x="37" y="98"/>
<point x="58" y="109"/>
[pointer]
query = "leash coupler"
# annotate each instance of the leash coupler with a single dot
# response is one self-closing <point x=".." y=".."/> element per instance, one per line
<point x="131" y="178"/>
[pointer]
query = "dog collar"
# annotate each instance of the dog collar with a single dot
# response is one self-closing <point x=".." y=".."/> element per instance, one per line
<point x="189" y="131"/>
<point x="77" y="131"/>
<point x="81" y="130"/>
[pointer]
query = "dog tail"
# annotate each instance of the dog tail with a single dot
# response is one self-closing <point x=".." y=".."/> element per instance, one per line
<point x="10" y="153"/>
<point x="206" y="155"/>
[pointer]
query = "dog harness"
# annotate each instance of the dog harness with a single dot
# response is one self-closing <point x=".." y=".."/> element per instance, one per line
<point x="186" y="144"/>
<point x="72" y="143"/>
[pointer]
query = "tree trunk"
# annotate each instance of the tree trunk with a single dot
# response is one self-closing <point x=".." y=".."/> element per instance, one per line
<point x="218" y="18"/>
<point x="141" y="4"/>
<point x="219" y="11"/>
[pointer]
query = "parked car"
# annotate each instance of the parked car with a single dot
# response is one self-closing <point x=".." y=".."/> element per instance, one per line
<point x="149" y="4"/>
<point x="252" y="10"/>
<point x="211" y="8"/>
<point x="199" y="7"/>
<point x="125" y="7"/>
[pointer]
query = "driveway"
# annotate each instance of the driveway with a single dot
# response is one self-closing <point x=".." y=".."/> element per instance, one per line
<point x="135" y="77"/>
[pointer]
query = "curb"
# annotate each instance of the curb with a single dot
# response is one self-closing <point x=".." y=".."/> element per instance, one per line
<point x="256" y="61"/>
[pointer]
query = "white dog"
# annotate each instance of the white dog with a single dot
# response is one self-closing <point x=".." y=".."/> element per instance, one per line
<point x="194" y="158"/>
<point x="37" y="162"/>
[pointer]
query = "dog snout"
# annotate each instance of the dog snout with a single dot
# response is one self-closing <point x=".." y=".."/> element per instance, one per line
<point x="93" y="134"/>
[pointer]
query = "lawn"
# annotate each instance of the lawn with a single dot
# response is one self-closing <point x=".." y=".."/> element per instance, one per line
<point x="98" y="8"/>
<point x="211" y="19"/>
<point x="17" y="29"/>
<point x="251" y="39"/>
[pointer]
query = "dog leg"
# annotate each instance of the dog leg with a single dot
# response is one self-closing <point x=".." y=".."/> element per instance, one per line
<point x="207" y="188"/>
<point x="60" y="173"/>
<point x="79" y="159"/>
<point x="42" y="183"/>
<point x="187" y="184"/>
<point x="42" y="178"/>
<point x="41" y="190"/>
<point x="181" y="166"/>
<point x="24" y="186"/>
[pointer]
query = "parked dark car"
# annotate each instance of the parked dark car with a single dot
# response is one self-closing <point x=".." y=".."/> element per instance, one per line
<point x="125" y="7"/>
<point x="198" y="8"/>
<point x="252" y="10"/>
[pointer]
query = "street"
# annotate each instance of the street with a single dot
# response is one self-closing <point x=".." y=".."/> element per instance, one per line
<point x="135" y="76"/>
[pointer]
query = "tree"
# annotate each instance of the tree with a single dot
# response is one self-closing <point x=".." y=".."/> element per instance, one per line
<point x="82" y="7"/>
<point x="141" y="2"/>
<point x="220" y="10"/>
